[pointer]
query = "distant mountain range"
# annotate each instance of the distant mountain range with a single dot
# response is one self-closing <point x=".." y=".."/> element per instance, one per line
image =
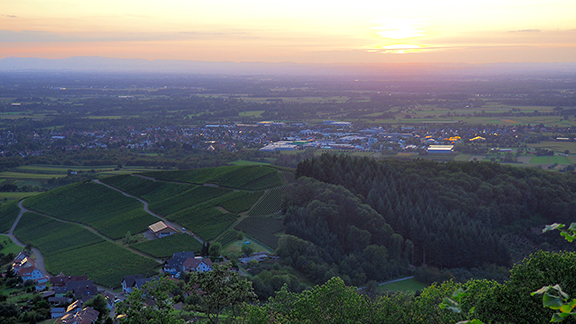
<point x="104" y="64"/>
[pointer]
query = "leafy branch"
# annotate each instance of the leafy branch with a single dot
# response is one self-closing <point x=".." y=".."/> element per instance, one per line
<point x="453" y="304"/>
<point x="553" y="296"/>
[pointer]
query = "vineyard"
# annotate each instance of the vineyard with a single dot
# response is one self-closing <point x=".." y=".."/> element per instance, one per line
<point x="244" y="176"/>
<point x="149" y="190"/>
<point x="206" y="222"/>
<point x="166" y="246"/>
<point x="241" y="203"/>
<point x="107" y="210"/>
<point x="73" y="250"/>
<point x="8" y="214"/>
<point x="262" y="229"/>
<point x="187" y="199"/>
<point x="270" y="180"/>
<point x="197" y="176"/>
<point x="254" y="177"/>
<point x="270" y="203"/>
<point x="228" y="238"/>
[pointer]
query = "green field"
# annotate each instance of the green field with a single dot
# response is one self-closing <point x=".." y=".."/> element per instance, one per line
<point x="166" y="246"/>
<point x="106" y="210"/>
<point x="8" y="196"/>
<point x="73" y="250"/>
<point x="245" y="163"/>
<point x="25" y="175"/>
<point x="549" y="159"/>
<point x="404" y="285"/>
<point x="8" y="214"/>
<point x="9" y="245"/>
<point x="253" y="113"/>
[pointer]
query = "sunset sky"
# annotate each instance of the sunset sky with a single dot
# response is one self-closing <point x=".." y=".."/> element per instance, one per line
<point x="299" y="31"/>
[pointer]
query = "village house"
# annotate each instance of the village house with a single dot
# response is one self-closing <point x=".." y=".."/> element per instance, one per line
<point x="182" y="262"/>
<point x="135" y="281"/>
<point x="87" y="315"/>
<point x="162" y="229"/>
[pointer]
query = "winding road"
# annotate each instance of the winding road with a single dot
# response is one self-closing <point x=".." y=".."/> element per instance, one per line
<point x="39" y="259"/>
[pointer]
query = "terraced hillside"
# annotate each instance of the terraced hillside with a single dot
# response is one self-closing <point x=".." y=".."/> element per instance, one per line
<point x="77" y="226"/>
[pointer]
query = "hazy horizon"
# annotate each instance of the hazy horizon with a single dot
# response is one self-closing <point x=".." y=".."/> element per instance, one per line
<point x="310" y="32"/>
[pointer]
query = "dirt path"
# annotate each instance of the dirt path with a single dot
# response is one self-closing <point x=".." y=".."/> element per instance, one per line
<point x="176" y="225"/>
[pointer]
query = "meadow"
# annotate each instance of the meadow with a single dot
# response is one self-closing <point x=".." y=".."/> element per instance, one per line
<point x="9" y="246"/>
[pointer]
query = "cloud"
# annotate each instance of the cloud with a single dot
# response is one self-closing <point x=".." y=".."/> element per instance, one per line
<point x="10" y="16"/>
<point x="35" y="36"/>
<point x="525" y="31"/>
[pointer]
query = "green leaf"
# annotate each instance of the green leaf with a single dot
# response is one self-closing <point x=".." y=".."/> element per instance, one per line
<point x="541" y="291"/>
<point x="450" y="304"/>
<point x="559" y="317"/>
<point x="567" y="308"/>
<point x="572" y="227"/>
<point x="552" y="227"/>
<point x="551" y="301"/>
<point x="567" y="236"/>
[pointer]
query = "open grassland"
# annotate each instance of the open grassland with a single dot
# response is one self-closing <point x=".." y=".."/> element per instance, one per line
<point x="262" y="229"/>
<point x="9" y="246"/>
<point x="404" y="285"/>
<point x="108" y="211"/>
<point x="73" y="250"/>
<point x="166" y="246"/>
<point x="8" y="214"/>
<point x="270" y="203"/>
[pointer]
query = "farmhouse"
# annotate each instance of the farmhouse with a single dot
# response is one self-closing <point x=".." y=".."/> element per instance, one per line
<point x="162" y="229"/>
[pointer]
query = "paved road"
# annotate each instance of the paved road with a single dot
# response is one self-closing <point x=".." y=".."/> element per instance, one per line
<point x="39" y="259"/>
<point x="176" y="225"/>
<point x="396" y="280"/>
